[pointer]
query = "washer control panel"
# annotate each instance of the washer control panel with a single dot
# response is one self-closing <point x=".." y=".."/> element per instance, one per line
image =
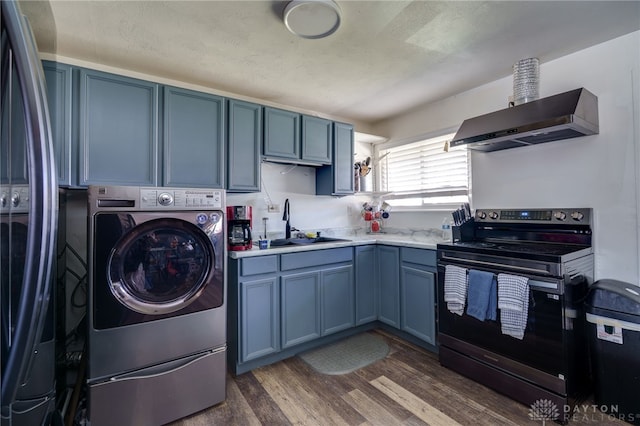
<point x="152" y="198"/>
<point x="171" y="198"/>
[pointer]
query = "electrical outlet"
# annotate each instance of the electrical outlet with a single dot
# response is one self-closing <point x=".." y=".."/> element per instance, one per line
<point x="273" y="208"/>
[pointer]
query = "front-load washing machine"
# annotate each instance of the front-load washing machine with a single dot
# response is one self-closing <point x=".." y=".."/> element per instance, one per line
<point x="156" y="305"/>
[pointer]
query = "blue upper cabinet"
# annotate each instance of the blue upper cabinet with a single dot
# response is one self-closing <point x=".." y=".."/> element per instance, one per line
<point x="59" y="79"/>
<point x="107" y="130"/>
<point x="343" y="158"/>
<point x="281" y="134"/>
<point x="13" y="132"/>
<point x="337" y="178"/>
<point x="243" y="148"/>
<point x="295" y="138"/>
<point x="193" y="139"/>
<point x="317" y="139"/>
<point x="118" y="130"/>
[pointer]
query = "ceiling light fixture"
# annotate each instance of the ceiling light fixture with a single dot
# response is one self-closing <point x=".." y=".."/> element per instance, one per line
<point x="312" y="18"/>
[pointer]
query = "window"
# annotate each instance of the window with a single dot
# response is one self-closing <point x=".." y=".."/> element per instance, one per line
<point x="423" y="175"/>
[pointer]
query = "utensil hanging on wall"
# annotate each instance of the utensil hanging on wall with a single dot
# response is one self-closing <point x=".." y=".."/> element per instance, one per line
<point x="364" y="168"/>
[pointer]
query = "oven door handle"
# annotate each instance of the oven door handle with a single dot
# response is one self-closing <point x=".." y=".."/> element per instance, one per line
<point x="496" y="265"/>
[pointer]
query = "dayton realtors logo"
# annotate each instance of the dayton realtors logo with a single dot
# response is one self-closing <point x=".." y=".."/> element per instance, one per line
<point x="544" y="410"/>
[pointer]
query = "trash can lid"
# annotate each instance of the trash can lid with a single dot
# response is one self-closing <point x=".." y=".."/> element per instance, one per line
<point x="615" y="295"/>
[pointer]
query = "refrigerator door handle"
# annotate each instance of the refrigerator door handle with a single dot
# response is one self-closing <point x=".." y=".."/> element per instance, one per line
<point x="43" y="202"/>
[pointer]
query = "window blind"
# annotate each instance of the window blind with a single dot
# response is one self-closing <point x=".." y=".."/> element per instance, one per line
<point x="424" y="173"/>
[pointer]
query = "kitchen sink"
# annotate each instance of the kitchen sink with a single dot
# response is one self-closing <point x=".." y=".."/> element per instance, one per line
<point x="304" y="241"/>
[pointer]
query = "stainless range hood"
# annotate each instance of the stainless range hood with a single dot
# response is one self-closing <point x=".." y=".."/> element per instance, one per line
<point x="563" y="116"/>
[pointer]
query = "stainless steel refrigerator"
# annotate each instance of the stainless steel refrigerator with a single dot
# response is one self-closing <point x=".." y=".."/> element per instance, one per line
<point x="28" y="207"/>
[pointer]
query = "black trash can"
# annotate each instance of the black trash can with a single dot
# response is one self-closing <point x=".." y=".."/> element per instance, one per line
<point x="613" y="330"/>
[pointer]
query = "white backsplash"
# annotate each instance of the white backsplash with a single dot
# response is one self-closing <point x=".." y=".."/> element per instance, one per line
<point x="332" y="216"/>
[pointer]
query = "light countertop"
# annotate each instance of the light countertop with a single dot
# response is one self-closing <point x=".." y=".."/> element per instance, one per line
<point x="414" y="240"/>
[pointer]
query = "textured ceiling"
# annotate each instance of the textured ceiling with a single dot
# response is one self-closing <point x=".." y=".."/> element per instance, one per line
<point x="388" y="56"/>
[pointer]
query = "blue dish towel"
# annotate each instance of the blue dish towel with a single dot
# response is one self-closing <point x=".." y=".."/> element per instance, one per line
<point x="482" y="295"/>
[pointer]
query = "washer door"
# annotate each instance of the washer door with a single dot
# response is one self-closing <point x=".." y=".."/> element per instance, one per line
<point x="160" y="266"/>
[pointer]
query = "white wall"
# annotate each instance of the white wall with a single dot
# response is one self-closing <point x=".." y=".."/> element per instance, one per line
<point x="309" y="213"/>
<point x="600" y="171"/>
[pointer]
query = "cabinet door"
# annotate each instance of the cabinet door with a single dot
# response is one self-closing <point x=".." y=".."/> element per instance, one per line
<point x="13" y="138"/>
<point x="118" y="130"/>
<point x="194" y="130"/>
<point x="281" y="133"/>
<point x="243" y="148"/>
<point x="317" y="140"/>
<point x="366" y="288"/>
<point x="337" y="179"/>
<point x="336" y="292"/>
<point x="260" y="319"/>
<point x="59" y="79"/>
<point x="343" y="158"/>
<point x="418" y="303"/>
<point x="389" y="277"/>
<point x="300" y="305"/>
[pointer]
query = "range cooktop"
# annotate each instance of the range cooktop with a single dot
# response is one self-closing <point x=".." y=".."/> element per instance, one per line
<point x="550" y="252"/>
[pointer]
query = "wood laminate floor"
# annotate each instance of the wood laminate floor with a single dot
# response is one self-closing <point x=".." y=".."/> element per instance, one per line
<point x="408" y="387"/>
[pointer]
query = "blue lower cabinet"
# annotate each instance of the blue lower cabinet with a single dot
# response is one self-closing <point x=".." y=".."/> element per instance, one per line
<point x="365" y="284"/>
<point x="417" y="289"/>
<point x="282" y="304"/>
<point x="336" y="293"/>
<point x="418" y="293"/>
<point x="259" y="318"/>
<point x="300" y="304"/>
<point x="407" y="289"/>
<point x="388" y="277"/>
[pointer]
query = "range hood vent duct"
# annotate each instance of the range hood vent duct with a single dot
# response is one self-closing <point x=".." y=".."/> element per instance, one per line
<point x="563" y="116"/>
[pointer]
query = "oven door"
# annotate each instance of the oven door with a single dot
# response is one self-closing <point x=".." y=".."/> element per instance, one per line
<point x="541" y="356"/>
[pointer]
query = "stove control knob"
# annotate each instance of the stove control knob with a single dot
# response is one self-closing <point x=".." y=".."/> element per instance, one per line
<point x="560" y="215"/>
<point x="165" y="199"/>
<point x="577" y="216"/>
<point x="493" y="215"/>
<point x="481" y="215"/>
<point x="15" y="199"/>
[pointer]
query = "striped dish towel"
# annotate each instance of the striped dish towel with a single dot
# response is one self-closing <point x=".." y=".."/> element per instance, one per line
<point x="513" y="302"/>
<point x="455" y="288"/>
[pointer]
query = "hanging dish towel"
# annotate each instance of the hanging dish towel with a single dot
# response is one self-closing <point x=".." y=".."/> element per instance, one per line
<point x="513" y="302"/>
<point x="455" y="288"/>
<point x="482" y="295"/>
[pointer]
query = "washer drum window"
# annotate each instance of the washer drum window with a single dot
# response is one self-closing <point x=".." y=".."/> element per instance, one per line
<point x="160" y="267"/>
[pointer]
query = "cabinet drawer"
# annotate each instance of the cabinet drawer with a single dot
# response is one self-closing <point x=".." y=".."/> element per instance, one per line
<point x="315" y="258"/>
<point x="259" y="265"/>
<point x="419" y="256"/>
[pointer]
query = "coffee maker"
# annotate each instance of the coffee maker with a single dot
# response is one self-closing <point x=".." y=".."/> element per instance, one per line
<point x="239" y="227"/>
